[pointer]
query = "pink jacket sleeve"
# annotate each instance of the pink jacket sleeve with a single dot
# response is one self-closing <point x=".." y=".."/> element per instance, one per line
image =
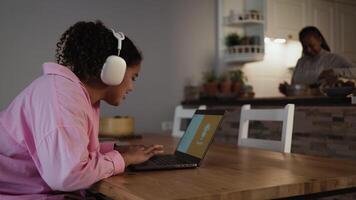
<point x="67" y="165"/>
<point x="106" y="147"/>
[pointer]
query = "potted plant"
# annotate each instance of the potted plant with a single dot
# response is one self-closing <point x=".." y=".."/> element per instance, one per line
<point x="210" y="85"/>
<point x="254" y="14"/>
<point x="232" y="39"/>
<point x="225" y="84"/>
<point x="245" y="40"/>
<point x="247" y="92"/>
<point x="238" y="81"/>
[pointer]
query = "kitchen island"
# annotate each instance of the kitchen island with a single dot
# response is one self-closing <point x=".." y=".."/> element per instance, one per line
<point x="323" y="126"/>
<point x="274" y="101"/>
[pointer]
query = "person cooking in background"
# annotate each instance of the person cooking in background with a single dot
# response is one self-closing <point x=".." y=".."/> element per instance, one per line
<point x="49" y="133"/>
<point x="317" y="63"/>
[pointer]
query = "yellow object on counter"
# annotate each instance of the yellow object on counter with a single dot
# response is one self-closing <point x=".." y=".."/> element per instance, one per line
<point x="116" y="126"/>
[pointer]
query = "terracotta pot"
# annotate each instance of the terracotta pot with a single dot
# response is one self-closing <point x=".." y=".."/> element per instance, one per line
<point x="225" y="88"/>
<point x="211" y="89"/>
<point x="237" y="88"/>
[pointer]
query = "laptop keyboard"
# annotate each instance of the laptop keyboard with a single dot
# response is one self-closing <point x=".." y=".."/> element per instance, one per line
<point x="166" y="160"/>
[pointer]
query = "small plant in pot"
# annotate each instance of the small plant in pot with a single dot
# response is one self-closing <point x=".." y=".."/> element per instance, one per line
<point x="254" y="14"/>
<point x="225" y="85"/>
<point x="248" y="92"/>
<point x="245" y="40"/>
<point x="238" y="80"/>
<point x="210" y="84"/>
<point x="231" y="40"/>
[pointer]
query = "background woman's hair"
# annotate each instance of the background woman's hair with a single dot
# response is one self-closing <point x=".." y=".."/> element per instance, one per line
<point x="312" y="30"/>
<point x="85" y="46"/>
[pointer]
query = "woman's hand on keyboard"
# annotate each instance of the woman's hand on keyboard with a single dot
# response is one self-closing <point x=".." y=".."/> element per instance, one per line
<point x="139" y="154"/>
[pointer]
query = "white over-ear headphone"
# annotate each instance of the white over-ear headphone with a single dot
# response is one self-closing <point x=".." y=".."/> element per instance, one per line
<point x="114" y="68"/>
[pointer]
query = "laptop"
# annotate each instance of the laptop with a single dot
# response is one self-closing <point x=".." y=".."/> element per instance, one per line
<point x="192" y="146"/>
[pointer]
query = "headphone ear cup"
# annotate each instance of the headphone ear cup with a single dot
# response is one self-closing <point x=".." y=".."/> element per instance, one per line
<point x="113" y="71"/>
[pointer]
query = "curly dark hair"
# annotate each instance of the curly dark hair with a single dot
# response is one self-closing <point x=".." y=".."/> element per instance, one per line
<point x="85" y="46"/>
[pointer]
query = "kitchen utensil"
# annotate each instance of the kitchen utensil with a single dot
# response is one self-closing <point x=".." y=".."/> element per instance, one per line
<point x="338" y="91"/>
<point x="297" y="90"/>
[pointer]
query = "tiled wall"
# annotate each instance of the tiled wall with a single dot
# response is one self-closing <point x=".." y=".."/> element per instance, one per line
<point x="321" y="131"/>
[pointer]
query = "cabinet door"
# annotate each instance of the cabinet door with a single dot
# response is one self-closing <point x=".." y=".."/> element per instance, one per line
<point x="346" y="30"/>
<point x="321" y="14"/>
<point x="285" y="18"/>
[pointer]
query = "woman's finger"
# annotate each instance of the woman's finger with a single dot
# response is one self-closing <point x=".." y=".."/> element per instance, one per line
<point x="149" y="149"/>
<point x="157" y="146"/>
<point x="158" y="152"/>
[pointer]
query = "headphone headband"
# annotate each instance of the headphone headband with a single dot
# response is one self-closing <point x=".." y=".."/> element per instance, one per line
<point x="120" y="37"/>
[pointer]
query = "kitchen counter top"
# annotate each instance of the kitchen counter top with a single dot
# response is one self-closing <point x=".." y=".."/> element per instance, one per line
<point x="271" y="101"/>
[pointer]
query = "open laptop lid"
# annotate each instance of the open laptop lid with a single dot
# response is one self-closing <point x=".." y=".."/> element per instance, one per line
<point x="199" y="134"/>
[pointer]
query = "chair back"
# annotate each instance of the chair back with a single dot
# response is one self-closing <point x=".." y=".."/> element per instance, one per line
<point x="181" y="113"/>
<point x="285" y="115"/>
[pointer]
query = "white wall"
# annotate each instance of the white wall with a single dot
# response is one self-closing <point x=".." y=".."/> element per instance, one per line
<point x="266" y="75"/>
<point x="176" y="37"/>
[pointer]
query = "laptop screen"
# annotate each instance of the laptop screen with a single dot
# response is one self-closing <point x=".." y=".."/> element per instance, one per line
<point x="199" y="134"/>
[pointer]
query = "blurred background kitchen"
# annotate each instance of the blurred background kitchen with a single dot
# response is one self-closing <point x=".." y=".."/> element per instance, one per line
<point x="185" y="45"/>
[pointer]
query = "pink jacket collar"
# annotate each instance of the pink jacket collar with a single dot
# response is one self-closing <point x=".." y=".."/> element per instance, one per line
<point x="57" y="69"/>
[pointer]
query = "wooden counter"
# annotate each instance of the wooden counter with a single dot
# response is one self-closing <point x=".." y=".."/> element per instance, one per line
<point x="274" y="101"/>
<point x="229" y="172"/>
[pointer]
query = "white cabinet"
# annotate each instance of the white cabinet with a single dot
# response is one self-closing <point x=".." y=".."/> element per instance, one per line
<point x="337" y="22"/>
<point x="240" y="31"/>
<point x="336" y="19"/>
<point x="345" y="30"/>
<point x="285" y="18"/>
<point x="321" y="13"/>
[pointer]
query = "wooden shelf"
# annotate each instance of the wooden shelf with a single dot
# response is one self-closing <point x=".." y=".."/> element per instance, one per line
<point x="247" y="20"/>
<point x="242" y="19"/>
<point x="244" y="53"/>
<point x="244" y="22"/>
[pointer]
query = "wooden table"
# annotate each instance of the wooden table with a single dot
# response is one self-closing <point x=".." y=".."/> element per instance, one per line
<point x="231" y="172"/>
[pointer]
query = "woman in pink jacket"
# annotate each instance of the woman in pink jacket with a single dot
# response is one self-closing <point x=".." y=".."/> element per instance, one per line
<point x="49" y="133"/>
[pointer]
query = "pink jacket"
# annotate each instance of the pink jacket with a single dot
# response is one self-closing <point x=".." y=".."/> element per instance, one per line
<point x="49" y="138"/>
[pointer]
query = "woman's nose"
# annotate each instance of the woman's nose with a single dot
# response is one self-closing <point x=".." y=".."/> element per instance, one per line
<point x="130" y="88"/>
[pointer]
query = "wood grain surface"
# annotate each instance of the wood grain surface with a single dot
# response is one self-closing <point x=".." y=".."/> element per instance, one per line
<point x="231" y="172"/>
